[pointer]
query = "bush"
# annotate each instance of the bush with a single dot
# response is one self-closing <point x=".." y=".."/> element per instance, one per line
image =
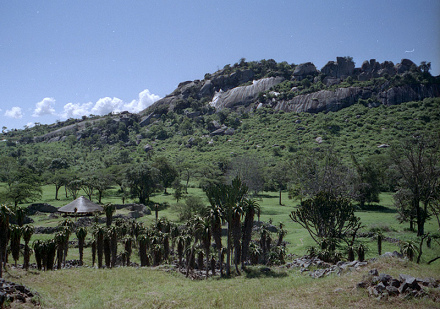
<point x="193" y="206"/>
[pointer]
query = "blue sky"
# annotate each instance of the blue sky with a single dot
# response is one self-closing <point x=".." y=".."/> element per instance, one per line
<point x="61" y="59"/>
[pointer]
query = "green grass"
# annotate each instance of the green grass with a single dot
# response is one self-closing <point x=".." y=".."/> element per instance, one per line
<point x="126" y="287"/>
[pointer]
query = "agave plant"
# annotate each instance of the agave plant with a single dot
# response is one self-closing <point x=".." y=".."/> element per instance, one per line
<point x="180" y="248"/>
<point x="38" y="253"/>
<point x="350" y="251"/>
<point x="49" y="253"/>
<point x="107" y="248"/>
<point x="27" y="232"/>
<point x="60" y="240"/>
<point x="15" y="236"/>
<point x="5" y="213"/>
<point x="109" y="209"/>
<point x="128" y="248"/>
<point x="113" y="234"/>
<point x="409" y="249"/>
<point x="81" y="234"/>
<point x="99" y="238"/>
<point x="143" y="245"/>
<point x="255" y="253"/>
<point x="361" y="252"/>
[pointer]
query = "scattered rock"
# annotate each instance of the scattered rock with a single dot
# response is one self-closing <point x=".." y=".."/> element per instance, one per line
<point x="16" y="293"/>
<point x="381" y="286"/>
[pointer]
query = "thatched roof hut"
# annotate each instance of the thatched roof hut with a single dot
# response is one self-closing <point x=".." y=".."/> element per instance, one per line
<point x="81" y="206"/>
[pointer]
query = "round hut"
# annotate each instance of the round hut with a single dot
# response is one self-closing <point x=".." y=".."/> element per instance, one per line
<point x="81" y="206"/>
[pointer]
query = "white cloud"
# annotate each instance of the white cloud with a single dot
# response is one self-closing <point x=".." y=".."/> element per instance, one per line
<point x="14" y="112"/>
<point x="108" y="105"/>
<point x="145" y="99"/>
<point x="30" y="125"/>
<point x="44" y="107"/>
<point x="76" y="110"/>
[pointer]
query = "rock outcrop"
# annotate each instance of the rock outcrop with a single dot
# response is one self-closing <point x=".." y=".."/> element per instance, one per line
<point x="304" y="69"/>
<point x="327" y="100"/>
<point x="244" y="95"/>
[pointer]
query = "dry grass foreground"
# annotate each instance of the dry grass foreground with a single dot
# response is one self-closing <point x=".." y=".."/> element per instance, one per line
<point x="127" y="287"/>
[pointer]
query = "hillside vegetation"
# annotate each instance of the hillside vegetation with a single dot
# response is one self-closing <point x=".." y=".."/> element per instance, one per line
<point x="257" y="164"/>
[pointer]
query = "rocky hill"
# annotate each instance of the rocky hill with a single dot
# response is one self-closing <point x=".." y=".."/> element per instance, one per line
<point x="245" y="87"/>
<point x="337" y="85"/>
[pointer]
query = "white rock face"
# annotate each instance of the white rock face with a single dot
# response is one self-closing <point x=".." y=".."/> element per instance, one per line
<point x="243" y="95"/>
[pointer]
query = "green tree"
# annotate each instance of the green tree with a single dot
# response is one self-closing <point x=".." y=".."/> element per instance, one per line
<point x="142" y="179"/>
<point x="23" y="186"/>
<point x="417" y="160"/>
<point x="326" y="216"/>
<point x="367" y="181"/>
<point x="229" y="198"/>
<point x="167" y="173"/>
<point x="281" y="175"/>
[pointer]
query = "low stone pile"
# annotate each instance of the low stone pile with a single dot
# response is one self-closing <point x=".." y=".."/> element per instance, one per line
<point x="12" y="292"/>
<point x="382" y="286"/>
<point x="324" y="268"/>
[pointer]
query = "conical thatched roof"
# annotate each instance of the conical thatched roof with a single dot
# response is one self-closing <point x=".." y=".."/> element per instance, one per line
<point x="82" y="206"/>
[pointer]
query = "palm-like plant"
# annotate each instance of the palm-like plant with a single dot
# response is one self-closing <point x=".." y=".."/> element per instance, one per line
<point x="128" y="241"/>
<point x="195" y="226"/>
<point x="143" y="245"/>
<point x="250" y="208"/>
<point x="109" y="209"/>
<point x="27" y="232"/>
<point x="180" y="248"/>
<point x="38" y="253"/>
<point x="409" y="249"/>
<point x="81" y="234"/>
<point x="254" y="252"/>
<point x="5" y="213"/>
<point x="229" y="198"/>
<point x="215" y="214"/>
<point x="60" y="240"/>
<point x="361" y="252"/>
<point x="113" y="234"/>
<point x="107" y="248"/>
<point x="19" y="214"/>
<point x="15" y="235"/>
<point x="206" y="240"/>
<point x="237" y="211"/>
<point x="99" y="237"/>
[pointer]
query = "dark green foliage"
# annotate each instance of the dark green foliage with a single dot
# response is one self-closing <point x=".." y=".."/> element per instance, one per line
<point x="15" y="236"/>
<point x="81" y="234"/>
<point x="167" y="173"/>
<point x="326" y="216"/>
<point x="417" y="161"/>
<point x="142" y="180"/>
<point x="27" y="232"/>
<point x="5" y="214"/>
<point x="109" y="210"/>
<point x="193" y="206"/>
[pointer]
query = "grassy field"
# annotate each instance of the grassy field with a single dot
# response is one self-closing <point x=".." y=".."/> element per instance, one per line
<point x="127" y="287"/>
